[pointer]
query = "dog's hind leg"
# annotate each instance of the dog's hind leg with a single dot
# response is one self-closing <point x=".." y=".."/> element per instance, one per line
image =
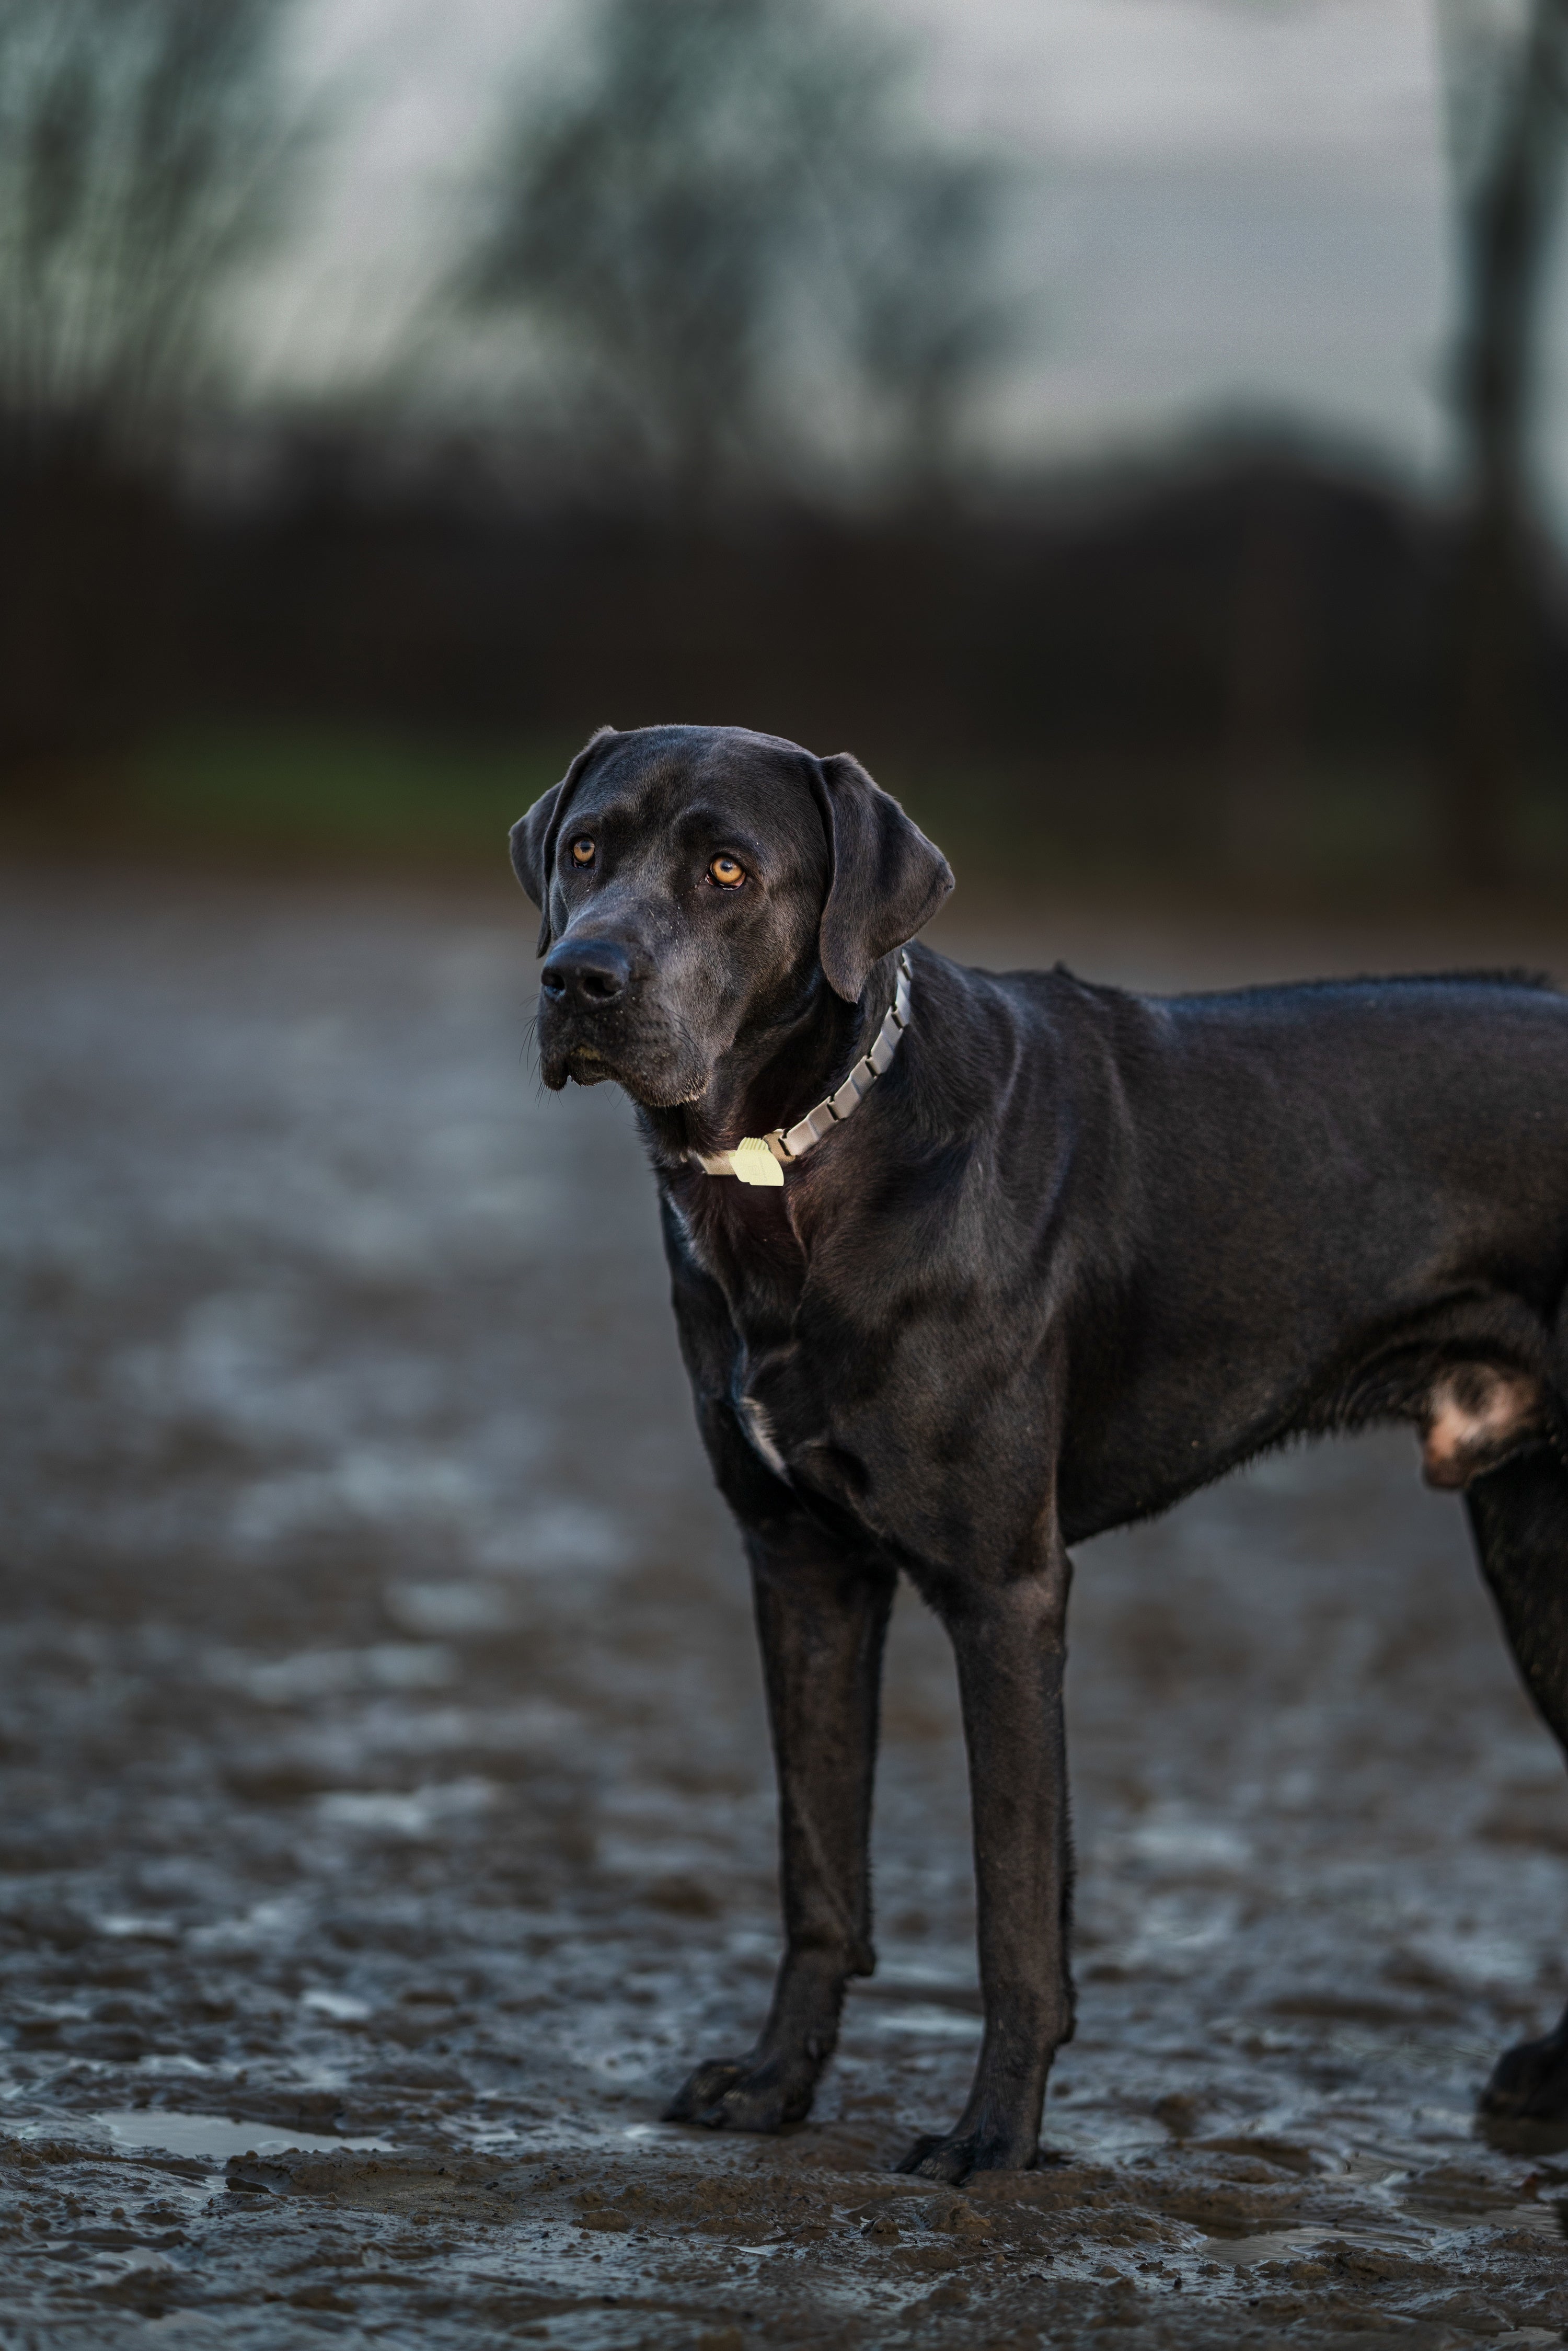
<point x="822" y="1623"/>
<point x="1519" y="1516"/>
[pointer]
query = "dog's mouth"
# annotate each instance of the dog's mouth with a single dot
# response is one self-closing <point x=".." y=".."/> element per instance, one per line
<point x="658" y="1077"/>
<point x="578" y="1065"/>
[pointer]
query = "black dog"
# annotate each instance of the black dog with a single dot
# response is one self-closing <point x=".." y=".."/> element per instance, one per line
<point x="1052" y="1256"/>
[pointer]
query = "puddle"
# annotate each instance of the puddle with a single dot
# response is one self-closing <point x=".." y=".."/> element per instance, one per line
<point x="379" y="1812"/>
<point x="342" y="2007"/>
<point x="1276" y="2244"/>
<point x="938" y="2023"/>
<point x="215" y="2138"/>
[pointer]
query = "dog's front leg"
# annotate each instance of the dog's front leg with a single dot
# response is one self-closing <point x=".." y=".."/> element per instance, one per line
<point x="822" y="1620"/>
<point x="1009" y="1640"/>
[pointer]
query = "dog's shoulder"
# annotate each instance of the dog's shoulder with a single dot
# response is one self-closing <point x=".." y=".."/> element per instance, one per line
<point x="1052" y="991"/>
<point x="1039" y="1055"/>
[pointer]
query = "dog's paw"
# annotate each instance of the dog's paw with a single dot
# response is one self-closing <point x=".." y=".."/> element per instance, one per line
<point x="951" y="2155"/>
<point x="1530" y="2081"/>
<point x="724" y="2094"/>
<point x="702" y="2090"/>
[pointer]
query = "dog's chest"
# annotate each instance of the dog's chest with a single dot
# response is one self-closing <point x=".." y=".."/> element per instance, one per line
<point x="755" y="1420"/>
<point x="784" y="1402"/>
<point x="787" y="1393"/>
<point x="779" y="1406"/>
<point x="794" y="1412"/>
<point x="762" y="1292"/>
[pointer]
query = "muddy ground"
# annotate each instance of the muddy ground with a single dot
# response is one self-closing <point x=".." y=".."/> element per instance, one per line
<point x="385" y="1822"/>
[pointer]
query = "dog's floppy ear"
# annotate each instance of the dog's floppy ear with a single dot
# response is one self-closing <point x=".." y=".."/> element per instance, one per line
<point x="533" y="837"/>
<point x="885" y="879"/>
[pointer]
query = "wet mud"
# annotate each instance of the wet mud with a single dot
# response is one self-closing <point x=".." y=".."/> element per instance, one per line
<point x="386" y="1816"/>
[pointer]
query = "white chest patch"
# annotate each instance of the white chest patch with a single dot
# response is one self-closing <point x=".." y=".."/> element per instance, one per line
<point x="758" y="1428"/>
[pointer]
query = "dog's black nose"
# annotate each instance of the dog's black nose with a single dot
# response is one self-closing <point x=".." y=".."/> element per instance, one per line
<point x="591" y="972"/>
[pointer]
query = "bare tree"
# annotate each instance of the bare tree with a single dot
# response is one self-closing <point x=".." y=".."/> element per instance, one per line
<point x="728" y="209"/>
<point x="929" y="317"/>
<point x="140" y="163"/>
<point x="1508" y="85"/>
<point x="142" y="159"/>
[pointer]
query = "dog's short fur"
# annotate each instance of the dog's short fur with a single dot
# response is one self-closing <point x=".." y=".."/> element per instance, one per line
<point x="1077" y="1253"/>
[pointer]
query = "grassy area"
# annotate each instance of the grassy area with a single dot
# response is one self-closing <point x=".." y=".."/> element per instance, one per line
<point x="304" y="792"/>
<point x="295" y="796"/>
<point x="353" y="797"/>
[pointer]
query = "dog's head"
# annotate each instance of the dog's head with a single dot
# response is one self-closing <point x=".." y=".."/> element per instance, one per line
<point x="699" y="885"/>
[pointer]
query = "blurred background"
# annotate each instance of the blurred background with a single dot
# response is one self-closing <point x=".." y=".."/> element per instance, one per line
<point x="1134" y="426"/>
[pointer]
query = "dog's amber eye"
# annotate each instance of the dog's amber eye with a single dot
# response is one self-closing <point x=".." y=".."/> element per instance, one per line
<point x="582" y="851"/>
<point x="727" y="873"/>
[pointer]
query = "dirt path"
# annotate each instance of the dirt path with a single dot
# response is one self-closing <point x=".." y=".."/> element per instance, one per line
<point x="385" y="1804"/>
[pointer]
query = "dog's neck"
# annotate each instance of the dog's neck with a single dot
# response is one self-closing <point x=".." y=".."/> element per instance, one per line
<point x="773" y="1075"/>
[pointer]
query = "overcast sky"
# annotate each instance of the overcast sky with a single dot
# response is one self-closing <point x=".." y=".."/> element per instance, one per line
<point x="1233" y="207"/>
